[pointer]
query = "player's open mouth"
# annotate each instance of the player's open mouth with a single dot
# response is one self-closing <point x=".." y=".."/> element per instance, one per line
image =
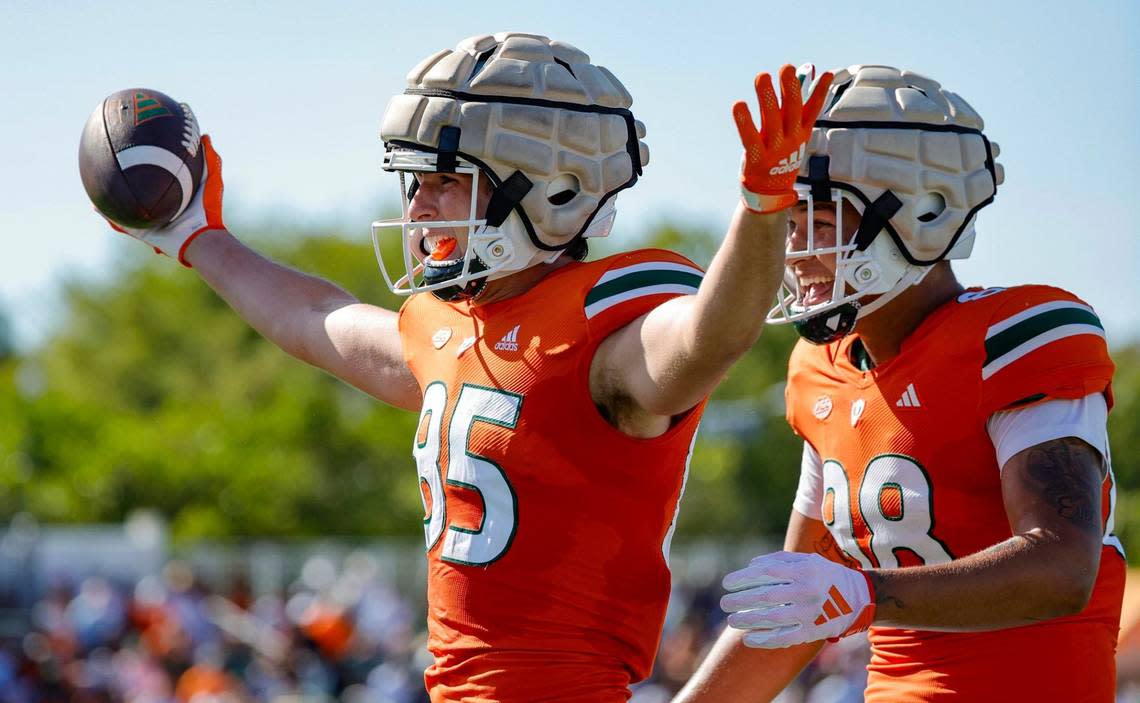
<point x="441" y="248"/>
<point x="815" y="289"/>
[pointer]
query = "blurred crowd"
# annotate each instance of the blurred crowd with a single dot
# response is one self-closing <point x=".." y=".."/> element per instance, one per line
<point x="338" y="632"/>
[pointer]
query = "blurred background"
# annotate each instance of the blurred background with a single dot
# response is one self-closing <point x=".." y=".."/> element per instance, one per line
<point x="188" y="514"/>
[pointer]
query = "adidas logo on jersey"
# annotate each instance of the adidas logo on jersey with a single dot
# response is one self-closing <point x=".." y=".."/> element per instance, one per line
<point x="833" y="607"/>
<point x="789" y="164"/>
<point x="909" y="398"/>
<point x="510" y="341"/>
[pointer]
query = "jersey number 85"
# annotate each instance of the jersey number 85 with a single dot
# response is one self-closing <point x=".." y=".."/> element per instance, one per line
<point x="467" y="470"/>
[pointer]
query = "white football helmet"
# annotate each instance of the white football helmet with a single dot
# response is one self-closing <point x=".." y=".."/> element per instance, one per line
<point x="551" y="133"/>
<point x="912" y="160"/>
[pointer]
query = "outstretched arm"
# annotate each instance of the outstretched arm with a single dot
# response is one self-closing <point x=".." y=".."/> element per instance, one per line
<point x="669" y="359"/>
<point x="307" y="317"/>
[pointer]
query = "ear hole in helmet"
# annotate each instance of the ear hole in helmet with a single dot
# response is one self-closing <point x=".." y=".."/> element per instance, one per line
<point x="930" y="206"/>
<point x="562" y="189"/>
<point x="838" y="94"/>
<point x="565" y="65"/>
<point x="480" y="62"/>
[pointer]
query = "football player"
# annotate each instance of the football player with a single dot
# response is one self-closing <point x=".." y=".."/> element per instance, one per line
<point x="956" y="494"/>
<point x="558" y="399"/>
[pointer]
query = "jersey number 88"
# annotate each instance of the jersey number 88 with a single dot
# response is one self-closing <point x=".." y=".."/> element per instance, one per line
<point x="894" y="503"/>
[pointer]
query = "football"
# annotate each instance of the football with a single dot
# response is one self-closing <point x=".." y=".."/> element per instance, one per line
<point x="140" y="158"/>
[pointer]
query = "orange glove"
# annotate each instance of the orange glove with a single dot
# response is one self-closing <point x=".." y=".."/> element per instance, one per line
<point x="772" y="157"/>
<point x="204" y="213"/>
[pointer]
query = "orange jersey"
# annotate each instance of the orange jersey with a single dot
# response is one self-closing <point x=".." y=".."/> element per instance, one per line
<point x="910" y="477"/>
<point x="547" y="528"/>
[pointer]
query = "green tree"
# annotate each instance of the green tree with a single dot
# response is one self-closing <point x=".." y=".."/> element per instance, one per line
<point x="14" y="413"/>
<point x="154" y="394"/>
<point x="1124" y="439"/>
<point x="7" y="342"/>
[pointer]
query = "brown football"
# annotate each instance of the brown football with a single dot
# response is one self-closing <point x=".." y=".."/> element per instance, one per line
<point x="140" y="158"/>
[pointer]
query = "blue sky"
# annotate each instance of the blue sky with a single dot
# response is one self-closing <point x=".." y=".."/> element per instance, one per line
<point x="292" y="93"/>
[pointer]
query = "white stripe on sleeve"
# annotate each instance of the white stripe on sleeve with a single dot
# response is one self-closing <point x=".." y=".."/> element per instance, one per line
<point x="1011" y="431"/>
<point x="809" y="494"/>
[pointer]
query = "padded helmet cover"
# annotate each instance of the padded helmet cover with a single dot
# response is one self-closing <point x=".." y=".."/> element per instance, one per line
<point x="523" y="102"/>
<point x="886" y="129"/>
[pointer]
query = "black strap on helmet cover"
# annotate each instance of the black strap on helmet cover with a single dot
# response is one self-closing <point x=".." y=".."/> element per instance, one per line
<point x="818" y="167"/>
<point x="504" y="198"/>
<point x="875" y="218"/>
<point x="445" y="158"/>
<point x="632" y="145"/>
<point x="876" y="215"/>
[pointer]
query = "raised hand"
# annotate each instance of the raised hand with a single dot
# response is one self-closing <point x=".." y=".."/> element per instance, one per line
<point x="773" y="154"/>
<point x="788" y="598"/>
<point x="204" y="213"/>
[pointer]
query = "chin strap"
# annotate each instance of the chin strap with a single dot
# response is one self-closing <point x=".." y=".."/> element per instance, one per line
<point x="829" y="326"/>
<point x="436" y="274"/>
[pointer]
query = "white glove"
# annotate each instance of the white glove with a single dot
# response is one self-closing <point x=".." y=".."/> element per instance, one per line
<point x="789" y="598"/>
<point x="204" y="212"/>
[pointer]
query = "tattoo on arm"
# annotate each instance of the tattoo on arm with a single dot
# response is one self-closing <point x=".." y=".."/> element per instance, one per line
<point x="882" y="597"/>
<point x="828" y="547"/>
<point x="1067" y="473"/>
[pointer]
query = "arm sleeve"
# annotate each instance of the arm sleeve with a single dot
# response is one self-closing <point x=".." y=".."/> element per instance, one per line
<point x="1011" y="431"/>
<point x="809" y="494"/>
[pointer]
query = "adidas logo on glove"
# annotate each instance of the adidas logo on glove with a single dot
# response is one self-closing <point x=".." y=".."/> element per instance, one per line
<point x="833" y="607"/>
<point x="790" y="164"/>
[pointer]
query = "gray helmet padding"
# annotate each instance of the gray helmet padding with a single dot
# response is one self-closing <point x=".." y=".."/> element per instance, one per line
<point x="525" y="103"/>
<point x="884" y="129"/>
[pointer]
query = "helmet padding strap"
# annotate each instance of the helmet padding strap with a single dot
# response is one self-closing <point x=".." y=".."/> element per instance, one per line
<point x="506" y="197"/>
<point x="875" y="218"/>
<point x="445" y="158"/>
<point x="819" y="177"/>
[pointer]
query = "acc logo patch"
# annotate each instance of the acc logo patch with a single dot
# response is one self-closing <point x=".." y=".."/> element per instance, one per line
<point x="822" y="407"/>
<point x="440" y="337"/>
<point x="857" y="410"/>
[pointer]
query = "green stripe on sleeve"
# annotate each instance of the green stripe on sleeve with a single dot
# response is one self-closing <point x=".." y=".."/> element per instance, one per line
<point x="1009" y="339"/>
<point x="641" y="279"/>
